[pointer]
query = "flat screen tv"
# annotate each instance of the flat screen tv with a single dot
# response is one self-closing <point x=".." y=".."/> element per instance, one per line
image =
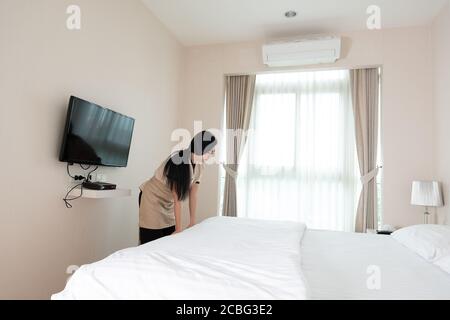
<point x="95" y="135"/>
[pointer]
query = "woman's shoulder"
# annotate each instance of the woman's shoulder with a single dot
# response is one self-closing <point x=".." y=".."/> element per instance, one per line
<point x="159" y="172"/>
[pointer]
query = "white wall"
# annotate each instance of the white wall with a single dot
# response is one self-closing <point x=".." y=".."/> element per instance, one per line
<point x="123" y="58"/>
<point x="441" y="69"/>
<point x="405" y="55"/>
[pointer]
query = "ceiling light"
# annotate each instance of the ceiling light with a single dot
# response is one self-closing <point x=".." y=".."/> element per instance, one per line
<point x="290" y="14"/>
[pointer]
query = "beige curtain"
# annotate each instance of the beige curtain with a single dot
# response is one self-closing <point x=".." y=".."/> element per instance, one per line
<point x="239" y="103"/>
<point x="365" y="96"/>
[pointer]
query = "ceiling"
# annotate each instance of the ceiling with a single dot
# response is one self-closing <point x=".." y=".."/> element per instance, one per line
<point x="200" y="22"/>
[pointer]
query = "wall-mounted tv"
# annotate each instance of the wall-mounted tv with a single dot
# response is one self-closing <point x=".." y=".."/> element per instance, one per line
<point x="95" y="135"/>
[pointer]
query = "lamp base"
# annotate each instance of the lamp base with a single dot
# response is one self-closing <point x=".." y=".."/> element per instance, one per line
<point x="426" y="217"/>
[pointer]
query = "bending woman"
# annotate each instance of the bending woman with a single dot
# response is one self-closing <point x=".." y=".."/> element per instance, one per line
<point x="176" y="179"/>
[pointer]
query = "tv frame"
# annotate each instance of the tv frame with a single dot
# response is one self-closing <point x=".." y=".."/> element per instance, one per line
<point x="66" y="133"/>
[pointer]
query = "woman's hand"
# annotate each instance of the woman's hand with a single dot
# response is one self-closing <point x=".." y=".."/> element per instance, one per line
<point x="191" y="225"/>
<point x="177" y="212"/>
<point x="193" y="204"/>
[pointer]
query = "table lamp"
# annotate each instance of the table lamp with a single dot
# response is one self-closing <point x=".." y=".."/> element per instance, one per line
<point x="427" y="194"/>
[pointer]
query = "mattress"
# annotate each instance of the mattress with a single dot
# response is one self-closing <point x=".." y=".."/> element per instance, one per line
<point x="220" y="258"/>
<point x="228" y="258"/>
<point x="340" y="265"/>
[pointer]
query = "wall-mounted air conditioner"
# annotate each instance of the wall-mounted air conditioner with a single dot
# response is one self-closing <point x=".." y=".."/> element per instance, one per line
<point x="302" y="52"/>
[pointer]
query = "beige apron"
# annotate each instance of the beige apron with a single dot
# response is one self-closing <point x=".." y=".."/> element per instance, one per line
<point x="157" y="204"/>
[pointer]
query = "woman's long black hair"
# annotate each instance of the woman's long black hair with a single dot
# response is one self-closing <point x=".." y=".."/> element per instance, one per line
<point x="177" y="169"/>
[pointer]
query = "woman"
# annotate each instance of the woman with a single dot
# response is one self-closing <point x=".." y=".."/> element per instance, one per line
<point x="175" y="180"/>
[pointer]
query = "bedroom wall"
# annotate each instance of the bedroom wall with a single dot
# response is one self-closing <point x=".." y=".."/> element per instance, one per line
<point x="407" y="105"/>
<point x="122" y="58"/>
<point x="441" y="95"/>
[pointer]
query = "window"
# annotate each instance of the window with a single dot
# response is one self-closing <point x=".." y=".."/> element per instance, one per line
<point x="300" y="159"/>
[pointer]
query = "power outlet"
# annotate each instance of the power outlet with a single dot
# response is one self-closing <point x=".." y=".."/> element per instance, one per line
<point x="101" y="177"/>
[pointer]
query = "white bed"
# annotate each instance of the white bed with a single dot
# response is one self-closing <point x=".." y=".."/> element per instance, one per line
<point x="335" y="265"/>
<point x="228" y="258"/>
<point x="221" y="258"/>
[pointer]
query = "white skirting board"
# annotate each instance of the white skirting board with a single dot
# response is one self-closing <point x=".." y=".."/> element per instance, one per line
<point x="104" y="194"/>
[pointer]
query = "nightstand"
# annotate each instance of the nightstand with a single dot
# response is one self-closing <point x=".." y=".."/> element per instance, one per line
<point x="379" y="232"/>
<point x="384" y="233"/>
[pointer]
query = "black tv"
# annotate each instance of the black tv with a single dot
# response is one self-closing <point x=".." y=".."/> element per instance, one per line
<point x="95" y="135"/>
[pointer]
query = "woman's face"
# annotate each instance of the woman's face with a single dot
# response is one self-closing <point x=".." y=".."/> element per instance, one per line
<point x="209" y="154"/>
<point x="205" y="157"/>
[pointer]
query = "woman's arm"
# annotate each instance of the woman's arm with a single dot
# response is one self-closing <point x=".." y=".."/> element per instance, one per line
<point x="193" y="203"/>
<point x="177" y="211"/>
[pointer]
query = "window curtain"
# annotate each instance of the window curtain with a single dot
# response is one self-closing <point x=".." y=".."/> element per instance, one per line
<point x="239" y="103"/>
<point x="365" y="95"/>
<point x="300" y="161"/>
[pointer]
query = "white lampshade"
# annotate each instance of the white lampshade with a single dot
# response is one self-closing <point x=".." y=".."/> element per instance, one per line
<point x="427" y="194"/>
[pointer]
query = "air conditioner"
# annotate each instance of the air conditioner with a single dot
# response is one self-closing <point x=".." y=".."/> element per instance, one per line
<point x="302" y="52"/>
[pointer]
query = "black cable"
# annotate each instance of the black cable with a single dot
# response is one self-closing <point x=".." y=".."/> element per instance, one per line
<point x="67" y="200"/>
<point x="89" y="175"/>
<point x="76" y="178"/>
<point x="68" y="171"/>
<point x="88" y="167"/>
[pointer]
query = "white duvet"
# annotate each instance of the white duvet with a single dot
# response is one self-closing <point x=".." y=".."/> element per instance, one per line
<point x="219" y="259"/>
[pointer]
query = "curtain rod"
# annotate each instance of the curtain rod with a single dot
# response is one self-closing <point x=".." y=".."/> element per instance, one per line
<point x="283" y="70"/>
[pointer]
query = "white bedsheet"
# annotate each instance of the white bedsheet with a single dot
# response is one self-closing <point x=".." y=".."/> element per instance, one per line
<point x="335" y="264"/>
<point x="221" y="258"/>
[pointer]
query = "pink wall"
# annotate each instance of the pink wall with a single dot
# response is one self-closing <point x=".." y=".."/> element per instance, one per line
<point x="123" y="58"/>
<point x="404" y="54"/>
<point x="441" y="81"/>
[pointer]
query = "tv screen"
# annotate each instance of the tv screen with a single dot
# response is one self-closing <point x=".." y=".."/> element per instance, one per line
<point x="95" y="135"/>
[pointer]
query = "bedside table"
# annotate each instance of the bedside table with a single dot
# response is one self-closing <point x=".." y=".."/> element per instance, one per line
<point x="384" y="233"/>
<point x="379" y="232"/>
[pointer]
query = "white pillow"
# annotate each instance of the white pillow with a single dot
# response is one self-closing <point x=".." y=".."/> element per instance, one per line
<point x="432" y="242"/>
<point x="444" y="263"/>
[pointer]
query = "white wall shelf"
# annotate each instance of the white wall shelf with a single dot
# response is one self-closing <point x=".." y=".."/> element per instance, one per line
<point x="105" y="194"/>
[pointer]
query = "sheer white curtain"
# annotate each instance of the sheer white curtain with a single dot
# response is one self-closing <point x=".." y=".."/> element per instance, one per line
<point x="300" y="160"/>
